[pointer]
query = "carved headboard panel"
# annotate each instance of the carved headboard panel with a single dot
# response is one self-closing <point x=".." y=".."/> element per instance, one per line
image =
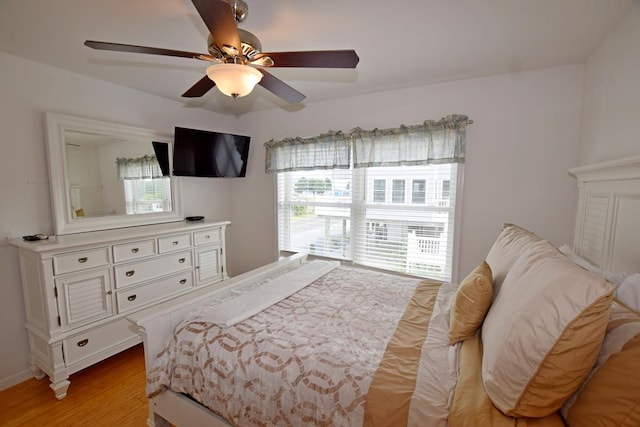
<point x="607" y="229"/>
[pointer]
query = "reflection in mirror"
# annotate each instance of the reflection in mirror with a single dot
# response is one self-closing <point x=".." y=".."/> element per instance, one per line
<point x="112" y="176"/>
<point x="106" y="175"/>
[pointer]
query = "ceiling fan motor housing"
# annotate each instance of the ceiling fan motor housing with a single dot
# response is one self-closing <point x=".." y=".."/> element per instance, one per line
<point x="251" y="46"/>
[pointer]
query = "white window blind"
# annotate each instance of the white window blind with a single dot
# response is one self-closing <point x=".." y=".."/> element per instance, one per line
<point x="146" y="195"/>
<point x="395" y="218"/>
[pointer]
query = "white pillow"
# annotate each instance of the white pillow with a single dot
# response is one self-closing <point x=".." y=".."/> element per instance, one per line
<point x="629" y="292"/>
<point x="615" y="278"/>
<point x="569" y="253"/>
<point x="509" y="245"/>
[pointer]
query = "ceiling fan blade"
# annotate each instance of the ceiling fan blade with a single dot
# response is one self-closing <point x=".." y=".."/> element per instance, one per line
<point x="280" y="88"/>
<point x="314" y="58"/>
<point x="118" y="47"/>
<point x="219" y="19"/>
<point x="200" y="88"/>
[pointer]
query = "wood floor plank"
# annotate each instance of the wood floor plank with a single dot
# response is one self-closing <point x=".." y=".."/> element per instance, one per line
<point x="110" y="393"/>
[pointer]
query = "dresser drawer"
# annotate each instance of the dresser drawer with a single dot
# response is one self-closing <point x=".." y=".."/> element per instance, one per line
<point x="131" y="298"/>
<point x="137" y="272"/>
<point x="135" y="250"/>
<point x="82" y="260"/>
<point x="206" y="237"/>
<point x="174" y="243"/>
<point x="85" y="344"/>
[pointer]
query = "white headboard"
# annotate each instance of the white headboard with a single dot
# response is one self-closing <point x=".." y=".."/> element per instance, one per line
<point x="607" y="229"/>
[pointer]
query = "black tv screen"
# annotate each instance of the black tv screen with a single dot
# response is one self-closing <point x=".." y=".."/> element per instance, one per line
<point x="209" y="154"/>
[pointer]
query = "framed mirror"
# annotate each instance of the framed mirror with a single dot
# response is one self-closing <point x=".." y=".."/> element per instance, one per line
<point x="107" y="175"/>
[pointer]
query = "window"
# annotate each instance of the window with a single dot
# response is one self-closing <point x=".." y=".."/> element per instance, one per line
<point x="379" y="190"/>
<point x="346" y="220"/>
<point x="146" y="190"/>
<point x="418" y="191"/>
<point x="332" y="195"/>
<point x="147" y="195"/>
<point x="446" y="186"/>
<point x="397" y="194"/>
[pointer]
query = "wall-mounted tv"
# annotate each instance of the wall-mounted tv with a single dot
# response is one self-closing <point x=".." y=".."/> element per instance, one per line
<point x="209" y="154"/>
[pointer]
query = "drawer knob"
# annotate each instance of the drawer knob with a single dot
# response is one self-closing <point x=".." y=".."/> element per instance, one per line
<point x="207" y="236"/>
<point x="135" y="250"/>
<point x="130" y="273"/>
<point x="83" y="342"/>
<point x="183" y="281"/>
<point x="132" y="297"/>
<point x="175" y="242"/>
<point x="182" y="260"/>
<point x="109" y="292"/>
<point x="83" y="260"/>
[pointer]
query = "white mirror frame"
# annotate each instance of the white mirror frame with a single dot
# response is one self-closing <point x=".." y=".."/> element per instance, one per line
<point x="64" y="223"/>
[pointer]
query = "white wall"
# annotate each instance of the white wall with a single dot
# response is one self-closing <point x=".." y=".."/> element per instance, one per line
<point x="523" y="140"/>
<point x="29" y="90"/>
<point x="611" y="112"/>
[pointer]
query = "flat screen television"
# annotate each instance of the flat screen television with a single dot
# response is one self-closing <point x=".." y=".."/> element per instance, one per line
<point x="209" y="154"/>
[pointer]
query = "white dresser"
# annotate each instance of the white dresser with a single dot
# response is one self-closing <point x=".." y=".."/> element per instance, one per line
<point x="79" y="288"/>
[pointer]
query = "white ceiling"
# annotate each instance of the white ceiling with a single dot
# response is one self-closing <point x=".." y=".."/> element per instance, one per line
<point x="400" y="43"/>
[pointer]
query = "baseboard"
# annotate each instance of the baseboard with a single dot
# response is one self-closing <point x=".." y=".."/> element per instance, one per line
<point x="5" y="383"/>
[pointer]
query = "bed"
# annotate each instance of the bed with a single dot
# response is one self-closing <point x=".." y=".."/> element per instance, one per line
<point x="532" y="336"/>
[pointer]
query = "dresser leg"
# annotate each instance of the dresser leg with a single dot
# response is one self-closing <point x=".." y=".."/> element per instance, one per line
<point x="60" y="388"/>
<point x="37" y="372"/>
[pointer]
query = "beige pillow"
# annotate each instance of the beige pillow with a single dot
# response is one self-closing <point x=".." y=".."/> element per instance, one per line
<point x="471" y="303"/>
<point x="507" y="248"/>
<point x="611" y="394"/>
<point x="543" y="332"/>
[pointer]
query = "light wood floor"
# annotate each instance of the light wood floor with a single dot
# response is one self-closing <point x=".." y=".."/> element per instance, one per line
<point x="110" y="393"/>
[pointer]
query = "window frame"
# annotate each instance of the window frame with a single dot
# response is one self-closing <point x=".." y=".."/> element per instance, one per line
<point x="421" y="192"/>
<point x="377" y="192"/>
<point x="403" y="187"/>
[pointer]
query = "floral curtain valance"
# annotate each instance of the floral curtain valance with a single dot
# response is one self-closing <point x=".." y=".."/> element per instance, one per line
<point x="432" y="142"/>
<point x="327" y="151"/>
<point x="138" y="168"/>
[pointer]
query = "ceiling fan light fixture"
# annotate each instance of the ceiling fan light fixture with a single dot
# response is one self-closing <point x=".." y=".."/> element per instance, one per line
<point x="234" y="80"/>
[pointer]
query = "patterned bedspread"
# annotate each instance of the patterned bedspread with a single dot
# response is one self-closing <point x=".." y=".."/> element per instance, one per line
<point x="355" y="347"/>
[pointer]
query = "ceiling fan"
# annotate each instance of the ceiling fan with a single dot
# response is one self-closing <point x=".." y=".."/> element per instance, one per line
<point x="239" y="63"/>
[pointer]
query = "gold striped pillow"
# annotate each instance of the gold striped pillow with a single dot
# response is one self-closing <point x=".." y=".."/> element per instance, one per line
<point x="543" y="332"/>
<point x="472" y="301"/>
